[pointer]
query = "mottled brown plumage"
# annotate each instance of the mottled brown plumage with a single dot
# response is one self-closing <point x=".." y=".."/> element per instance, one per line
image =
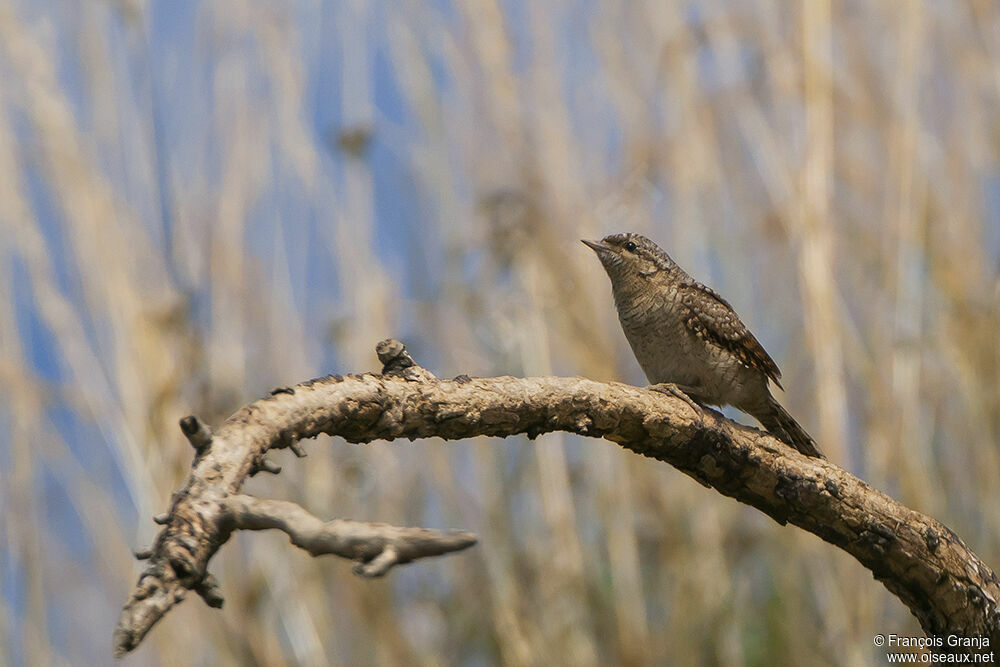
<point x="685" y="335"/>
<point x="712" y="319"/>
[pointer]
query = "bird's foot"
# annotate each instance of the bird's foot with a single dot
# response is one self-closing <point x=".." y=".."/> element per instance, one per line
<point x="677" y="391"/>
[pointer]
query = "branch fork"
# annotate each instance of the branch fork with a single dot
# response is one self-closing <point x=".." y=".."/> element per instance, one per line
<point x="926" y="565"/>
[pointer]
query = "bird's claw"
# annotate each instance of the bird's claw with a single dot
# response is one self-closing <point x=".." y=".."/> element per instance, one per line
<point x="671" y="389"/>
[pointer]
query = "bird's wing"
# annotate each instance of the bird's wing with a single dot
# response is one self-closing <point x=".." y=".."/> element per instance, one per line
<point x="712" y="319"/>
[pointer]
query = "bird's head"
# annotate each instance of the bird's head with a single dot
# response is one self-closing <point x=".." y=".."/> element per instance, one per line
<point x="630" y="256"/>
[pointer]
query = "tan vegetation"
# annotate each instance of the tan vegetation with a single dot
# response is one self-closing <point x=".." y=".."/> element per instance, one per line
<point x="190" y="216"/>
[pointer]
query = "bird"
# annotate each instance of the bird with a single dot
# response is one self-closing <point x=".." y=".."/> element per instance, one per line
<point x="689" y="341"/>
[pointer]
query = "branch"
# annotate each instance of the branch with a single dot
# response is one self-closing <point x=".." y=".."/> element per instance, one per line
<point x="926" y="565"/>
<point x="377" y="546"/>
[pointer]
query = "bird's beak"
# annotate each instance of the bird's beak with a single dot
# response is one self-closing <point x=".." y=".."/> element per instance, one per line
<point x="596" y="246"/>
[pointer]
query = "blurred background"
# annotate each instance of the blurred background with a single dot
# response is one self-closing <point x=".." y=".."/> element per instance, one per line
<point x="200" y="201"/>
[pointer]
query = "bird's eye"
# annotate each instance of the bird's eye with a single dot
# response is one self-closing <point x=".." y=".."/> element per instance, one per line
<point x="630" y="246"/>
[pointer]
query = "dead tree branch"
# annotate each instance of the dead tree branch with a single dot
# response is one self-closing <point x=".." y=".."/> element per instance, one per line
<point x="946" y="586"/>
<point x="376" y="546"/>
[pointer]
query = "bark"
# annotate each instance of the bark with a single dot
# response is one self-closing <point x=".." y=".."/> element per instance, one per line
<point x="945" y="585"/>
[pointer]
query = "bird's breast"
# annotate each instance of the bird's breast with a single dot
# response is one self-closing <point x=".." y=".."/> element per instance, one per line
<point x="655" y="329"/>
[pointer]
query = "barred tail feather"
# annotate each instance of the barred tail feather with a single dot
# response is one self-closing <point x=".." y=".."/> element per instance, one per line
<point x="781" y="425"/>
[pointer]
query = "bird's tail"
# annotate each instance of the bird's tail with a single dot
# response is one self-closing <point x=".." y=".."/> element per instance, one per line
<point x="783" y="426"/>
